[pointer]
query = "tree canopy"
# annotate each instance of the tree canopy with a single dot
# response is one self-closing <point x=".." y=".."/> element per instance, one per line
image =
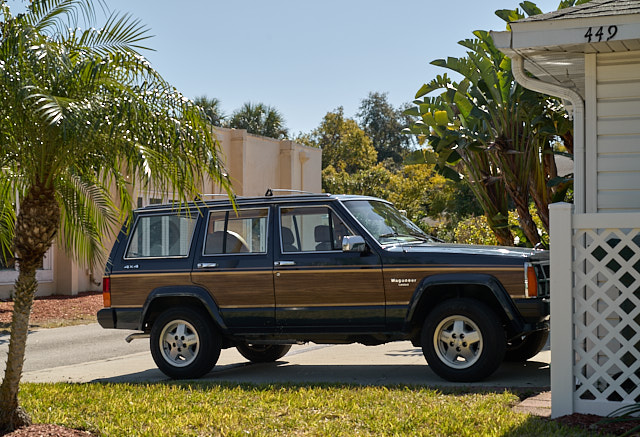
<point x="383" y="124"/>
<point x="212" y="108"/>
<point x="259" y="119"/>
<point x="344" y="144"/>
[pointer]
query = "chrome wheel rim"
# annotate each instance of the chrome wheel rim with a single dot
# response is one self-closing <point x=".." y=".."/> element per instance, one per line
<point x="458" y="342"/>
<point x="179" y="343"/>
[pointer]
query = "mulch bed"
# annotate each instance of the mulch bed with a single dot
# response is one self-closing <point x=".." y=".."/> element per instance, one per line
<point x="591" y="423"/>
<point x="57" y="308"/>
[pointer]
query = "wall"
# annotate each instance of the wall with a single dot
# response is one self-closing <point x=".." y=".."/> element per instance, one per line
<point x="613" y="143"/>
<point x="257" y="163"/>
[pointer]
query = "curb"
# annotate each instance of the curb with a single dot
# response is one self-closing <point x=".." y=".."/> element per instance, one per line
<point x="538" y="405"/>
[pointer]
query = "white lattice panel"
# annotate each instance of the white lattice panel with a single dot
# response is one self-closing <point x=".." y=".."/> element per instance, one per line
<point x="606" y="320"/>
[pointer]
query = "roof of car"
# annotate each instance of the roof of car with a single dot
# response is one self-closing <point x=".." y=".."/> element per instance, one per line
<point x="223" y="200"/>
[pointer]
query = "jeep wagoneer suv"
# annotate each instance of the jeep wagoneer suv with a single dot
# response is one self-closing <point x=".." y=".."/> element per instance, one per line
<point x="283" y="270"/>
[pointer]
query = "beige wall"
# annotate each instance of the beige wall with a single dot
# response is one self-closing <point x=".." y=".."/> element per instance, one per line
<point x="254" y="164"/>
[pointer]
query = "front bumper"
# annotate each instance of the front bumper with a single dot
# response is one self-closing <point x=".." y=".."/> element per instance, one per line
<point x="120" y="318"/>
<point x="533" y="310"/>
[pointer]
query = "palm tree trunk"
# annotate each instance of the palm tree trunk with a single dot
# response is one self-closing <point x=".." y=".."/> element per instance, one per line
<point x="36" y="225"/>
<point x="12" y="416"/>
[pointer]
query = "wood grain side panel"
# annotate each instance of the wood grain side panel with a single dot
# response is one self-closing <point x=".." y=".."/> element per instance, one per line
<point x="357" y="287"/>
<point x="400" y="283"/>
<point x="512" y="281"/>
<point x="244" y="289"/>
<point x="132" y="290"/>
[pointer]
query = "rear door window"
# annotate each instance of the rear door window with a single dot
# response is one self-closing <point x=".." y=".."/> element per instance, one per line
<point x="244" y="232"/>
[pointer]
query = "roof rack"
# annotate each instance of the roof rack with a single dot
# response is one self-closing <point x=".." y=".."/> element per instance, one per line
<point x="270" y="192"/>
<point x="202" y="196"/>
<point x="214" y="195"/>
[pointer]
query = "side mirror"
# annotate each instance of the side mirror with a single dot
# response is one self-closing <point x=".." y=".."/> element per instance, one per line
<point x="353" y="243"/>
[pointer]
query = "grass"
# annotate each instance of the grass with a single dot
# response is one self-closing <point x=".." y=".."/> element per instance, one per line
<point x="196" y="409"/>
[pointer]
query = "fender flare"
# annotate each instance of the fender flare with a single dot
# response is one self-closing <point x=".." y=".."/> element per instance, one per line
<point x="487" y="281"/>
<point x="185" y="291"/>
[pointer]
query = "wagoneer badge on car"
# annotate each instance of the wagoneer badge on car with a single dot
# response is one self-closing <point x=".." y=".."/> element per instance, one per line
<point x="281" y="270"/>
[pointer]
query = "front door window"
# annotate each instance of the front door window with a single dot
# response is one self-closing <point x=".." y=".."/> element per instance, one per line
<point x="311" y="229"/>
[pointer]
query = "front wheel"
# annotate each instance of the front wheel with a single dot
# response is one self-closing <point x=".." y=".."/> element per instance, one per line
<point x="463" y="340"/>
<point x="184" y="343"/>
<point x="263" y="353"/>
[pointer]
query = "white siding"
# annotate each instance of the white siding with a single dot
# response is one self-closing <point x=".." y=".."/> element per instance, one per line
<point x="618" y="132"/>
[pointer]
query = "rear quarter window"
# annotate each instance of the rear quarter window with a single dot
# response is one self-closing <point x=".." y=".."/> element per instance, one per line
<point x="161" y="236"/>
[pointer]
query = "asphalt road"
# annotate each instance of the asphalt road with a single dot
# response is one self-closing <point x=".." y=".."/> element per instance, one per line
<point x="50" y="348"/>
<point x="89" y="353"/>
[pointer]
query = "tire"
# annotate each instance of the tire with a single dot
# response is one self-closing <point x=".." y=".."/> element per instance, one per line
<point x="463" y="340"/>
<point x="184" y="343"/>
<point x="263" y="353"/>
<point x="521" y="350"/>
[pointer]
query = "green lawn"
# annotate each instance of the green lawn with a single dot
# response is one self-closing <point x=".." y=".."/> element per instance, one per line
<point x="196" y="409"/>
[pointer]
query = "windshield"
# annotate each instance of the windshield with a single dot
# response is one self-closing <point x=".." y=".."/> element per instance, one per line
<point x="385" y="223"/>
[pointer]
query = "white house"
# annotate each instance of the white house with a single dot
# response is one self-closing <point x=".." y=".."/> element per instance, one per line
<point x="589" y="55"/>
<point x="254" y="163"/>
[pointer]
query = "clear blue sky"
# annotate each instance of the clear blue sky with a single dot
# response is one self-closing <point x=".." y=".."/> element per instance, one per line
<point x="308" y="57"/>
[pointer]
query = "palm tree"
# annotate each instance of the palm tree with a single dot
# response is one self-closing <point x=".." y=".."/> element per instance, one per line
<point x="212" y="109"/>
<point x="259" y="119"/>
<point x="83" y="114"/>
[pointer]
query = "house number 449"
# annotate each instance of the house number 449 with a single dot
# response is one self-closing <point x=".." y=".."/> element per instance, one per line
<point x="597" y="34"/>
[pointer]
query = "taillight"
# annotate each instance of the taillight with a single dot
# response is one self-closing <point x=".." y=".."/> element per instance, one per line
<point x="531" y="281"/>
<point x="106" y="291"/>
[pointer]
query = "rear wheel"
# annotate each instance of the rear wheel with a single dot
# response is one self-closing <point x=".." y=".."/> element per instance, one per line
<point x="463" y="340"/>
<point x="524" y="348"/>
<point x="184" y="343"/>
<point x="263" y="353"/>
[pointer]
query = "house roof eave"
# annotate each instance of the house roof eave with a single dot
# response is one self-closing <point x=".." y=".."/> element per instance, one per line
<point x="557" y="67"/>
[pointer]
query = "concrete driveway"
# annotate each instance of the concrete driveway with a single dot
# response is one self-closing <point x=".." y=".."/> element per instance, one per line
<point x="389" y="364"/>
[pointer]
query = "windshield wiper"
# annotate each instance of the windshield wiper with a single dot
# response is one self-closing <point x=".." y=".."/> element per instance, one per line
<point x="395" y="234"/>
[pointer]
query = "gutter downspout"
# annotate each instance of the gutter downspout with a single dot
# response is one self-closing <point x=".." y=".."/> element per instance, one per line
<point x="561" y="257"/>
<point x="517" y="66"/>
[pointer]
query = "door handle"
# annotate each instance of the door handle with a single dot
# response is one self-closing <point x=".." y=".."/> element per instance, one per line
<point x="284" y="263"/>
<point x="207" y="265"/>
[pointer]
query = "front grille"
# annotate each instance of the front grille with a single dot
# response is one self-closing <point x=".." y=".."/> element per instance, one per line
<point x="542" y="269"/>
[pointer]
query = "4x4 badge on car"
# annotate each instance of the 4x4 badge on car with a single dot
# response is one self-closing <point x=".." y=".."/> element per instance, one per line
<point x="131" y="266"/>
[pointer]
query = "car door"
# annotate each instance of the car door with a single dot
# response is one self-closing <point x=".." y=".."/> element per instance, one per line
<point x="234" y="264"/>
<point x="318" y="287"/>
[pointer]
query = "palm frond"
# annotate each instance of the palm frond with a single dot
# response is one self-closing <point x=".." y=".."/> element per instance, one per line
<point x="87" y="218"/>
<point x="7" y="214"/>
<point x="55" y="17"/>
<point x="121" y="33"/>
